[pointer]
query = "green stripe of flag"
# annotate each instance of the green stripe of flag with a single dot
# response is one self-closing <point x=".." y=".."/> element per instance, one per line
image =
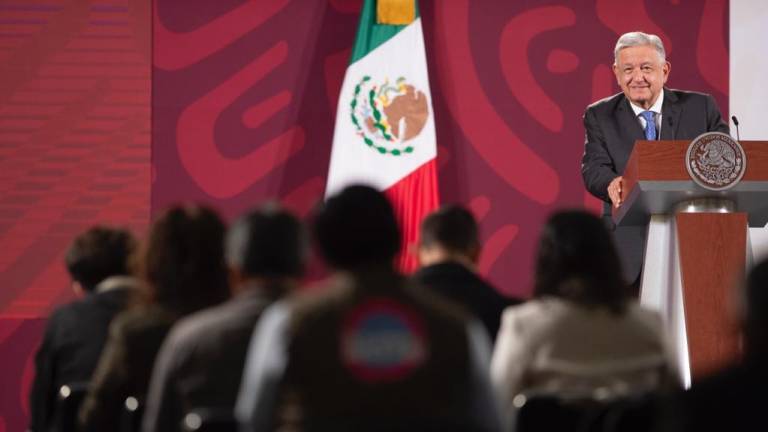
<point x="369" y="34"/>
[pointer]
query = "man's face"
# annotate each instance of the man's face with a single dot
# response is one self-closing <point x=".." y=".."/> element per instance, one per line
<point x="641" y="74"/>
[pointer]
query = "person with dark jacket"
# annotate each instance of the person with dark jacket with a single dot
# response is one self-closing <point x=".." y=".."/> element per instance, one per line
<point x="201" y="362"/>
<point x="75" y="334"/>
<point x="449" y="251"/>
<point x="182" y="269"/>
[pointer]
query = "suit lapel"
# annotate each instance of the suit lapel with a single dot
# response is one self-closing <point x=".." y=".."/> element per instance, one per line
<point x="629" y="125"/>
<point x="670" y="115"/>
<point x="629" y="130"/>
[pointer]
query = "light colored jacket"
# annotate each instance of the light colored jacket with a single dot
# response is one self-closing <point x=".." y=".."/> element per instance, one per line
<point x="553" y="346"/>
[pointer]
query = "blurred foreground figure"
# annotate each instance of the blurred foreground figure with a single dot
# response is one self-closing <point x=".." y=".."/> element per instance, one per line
<point x="581" y="336"/>
<point x="182" y="268"/>
<point x="201" y="362"/>
<point x="75" y="335"/>
<point x="449" y="250"/>
<point x="370" y="352"/>
<point x="735" y="398"/>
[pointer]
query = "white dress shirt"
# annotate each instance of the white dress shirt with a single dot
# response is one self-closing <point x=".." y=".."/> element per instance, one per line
<point x="656" y="108"/>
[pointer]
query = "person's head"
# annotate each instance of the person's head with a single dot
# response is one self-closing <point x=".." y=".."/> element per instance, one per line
<point x="357" y="228"/>
<point x="641" y="67"/>
<point x="756" y="305"/>
<point x="267" y="243"/>
<point x="449" y="234"/>
<point x="98" y="253"/>
<point x="183" y="260"/>
<point x="577" y="260"/>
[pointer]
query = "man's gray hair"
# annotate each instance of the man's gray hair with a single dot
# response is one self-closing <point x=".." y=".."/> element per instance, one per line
<point x="268" y="241"/>
<point x="637" y="38"/>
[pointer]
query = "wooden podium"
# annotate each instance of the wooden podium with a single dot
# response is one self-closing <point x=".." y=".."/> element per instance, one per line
<point x="696" y="249"/>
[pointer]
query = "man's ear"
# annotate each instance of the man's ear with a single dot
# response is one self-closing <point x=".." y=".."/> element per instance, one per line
<point x="78" y="289"/>
<point x="474" y="254"/>
<point x="236" y="279"/>
<point x="421" y="254"/>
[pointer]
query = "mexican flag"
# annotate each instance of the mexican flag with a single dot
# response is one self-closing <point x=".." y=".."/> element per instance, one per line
<point x="385" y="130"/>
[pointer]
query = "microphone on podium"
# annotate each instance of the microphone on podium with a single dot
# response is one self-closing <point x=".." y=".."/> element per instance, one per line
<point x="736" y="123"/>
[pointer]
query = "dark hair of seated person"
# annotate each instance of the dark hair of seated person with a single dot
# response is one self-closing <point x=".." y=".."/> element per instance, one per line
<point x="357" y="228"/>
<point x="182" y="263"/>
<point x="267" y="242"/>
<point x="98" y="253"/>
<point x="577" y="261"/>
<point x="452" y="227"/>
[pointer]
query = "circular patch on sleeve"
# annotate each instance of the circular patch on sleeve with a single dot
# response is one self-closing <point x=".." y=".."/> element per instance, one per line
<point x="382" y="340"/>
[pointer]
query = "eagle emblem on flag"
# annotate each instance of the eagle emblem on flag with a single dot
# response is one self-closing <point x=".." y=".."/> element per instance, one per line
<point x="387" y="115"/>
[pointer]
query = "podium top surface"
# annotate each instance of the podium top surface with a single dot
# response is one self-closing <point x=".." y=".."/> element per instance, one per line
<point x="656" y="180"/>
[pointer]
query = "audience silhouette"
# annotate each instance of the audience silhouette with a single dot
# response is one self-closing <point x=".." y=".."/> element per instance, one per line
<point x="369" y="348"/>
<point x="373" y="351"/>
<point x="201" y="361"/>
<point x="75" y="334"/>
<point x="449" y="250"/>
<point x="581" y="336"/>
<point x="182" y="267"/>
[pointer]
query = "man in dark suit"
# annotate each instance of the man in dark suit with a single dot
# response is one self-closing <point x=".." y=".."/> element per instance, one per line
<point x="201" y="362"/>
<point x="449" y="250"/>
<point x="75" y="333"/>
<point x="645" y="110"/>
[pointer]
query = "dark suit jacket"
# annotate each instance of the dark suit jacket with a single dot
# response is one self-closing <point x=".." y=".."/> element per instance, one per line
<point x="611" y="131"/>
<point x="463" y="286"/>
<point x="71" y="346"/>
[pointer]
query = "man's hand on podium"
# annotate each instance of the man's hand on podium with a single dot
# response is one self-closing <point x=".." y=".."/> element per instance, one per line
<point x="614" y="191"/>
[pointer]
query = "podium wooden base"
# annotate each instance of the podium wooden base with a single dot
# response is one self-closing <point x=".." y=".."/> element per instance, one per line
<point x="712" y="249"/>
<point x="692" y="266"/>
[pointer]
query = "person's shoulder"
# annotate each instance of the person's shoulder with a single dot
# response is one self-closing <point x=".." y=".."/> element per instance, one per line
<point x="534" y="313"/>
<point x="686" y="96"/>
<point x="447" y="278"/>
<point x="63" y="319"/>
<point x="72" y="313"/>
<point x="439" y="269"/>
<point x="200" y="325"/>
<point x="137" y="320"/>
<point x="319" y="300"/>
<point x="437" y="303"/>
<point x="66" y="310"/>
<point x="492" y="292"/>
<point x="207" y="325"/>
<point x="606" y="104"/>
<point x="646" y="318"/>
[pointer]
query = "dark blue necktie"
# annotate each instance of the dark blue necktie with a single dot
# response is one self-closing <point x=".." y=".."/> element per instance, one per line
<point x="650" y="125"/>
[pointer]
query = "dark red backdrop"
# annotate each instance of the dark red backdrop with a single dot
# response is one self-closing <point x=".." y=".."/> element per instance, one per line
<point x="74" y="151"/>
<point x="243" y="101"/>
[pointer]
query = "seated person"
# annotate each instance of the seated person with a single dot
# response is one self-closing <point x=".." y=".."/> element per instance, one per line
<point x="373" y="350"/>
<point x="733" y="399"/>
<point x="182" y="271"/>
<point x="449" y="250"/>
<point x="581" y="334"/>
<point x="75" y="334"/>
<point x="201" y="362"/>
